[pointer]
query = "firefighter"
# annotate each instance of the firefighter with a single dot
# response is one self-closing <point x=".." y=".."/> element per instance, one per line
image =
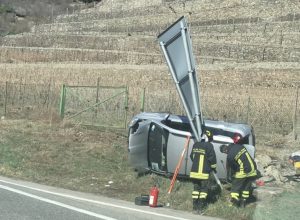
<point x="204" y="162"/>
<point x="295" y="160"/>
<point x="244" y="170"/>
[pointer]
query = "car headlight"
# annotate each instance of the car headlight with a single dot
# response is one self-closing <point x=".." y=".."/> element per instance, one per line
<point x="133" y="122"/>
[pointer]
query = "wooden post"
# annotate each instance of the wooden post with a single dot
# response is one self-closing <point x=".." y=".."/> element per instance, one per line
<point x="143" y="100"/>
<point x="126" y="107"/>
<point x="62" y="102"/>
<point x="97" y="95"/>
<point x="295" y="114"/>
<point x="179" y="164"/>
<point x="5" y="100"/>
<point x="248" y="109"/>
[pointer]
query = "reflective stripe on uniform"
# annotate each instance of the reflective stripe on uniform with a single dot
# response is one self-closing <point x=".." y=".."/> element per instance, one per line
<point x="199" y="174"/>
<point x="235" y="195"/>
<point x="297" y="165"/>
<point x="239" y="154"/>
<point x="201" y="162"/>
<point x="242" y="173"/>
<point x="250" y="161"/>
<point x="195" y="194"/>
<point x="203" y="195"/>
<point x="245" y="194"/>
<point x="202" y="176"/>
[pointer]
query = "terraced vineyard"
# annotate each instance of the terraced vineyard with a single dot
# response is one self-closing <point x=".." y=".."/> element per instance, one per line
<point x="247" y="52"/>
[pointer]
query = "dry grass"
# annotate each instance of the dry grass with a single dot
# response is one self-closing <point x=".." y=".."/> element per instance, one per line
<point x="263" y="97"/>
<point x="85" y="160"/>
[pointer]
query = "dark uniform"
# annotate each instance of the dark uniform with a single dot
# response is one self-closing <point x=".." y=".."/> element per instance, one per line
<point x="204" y="161"/>
<point x="244" y="172"/>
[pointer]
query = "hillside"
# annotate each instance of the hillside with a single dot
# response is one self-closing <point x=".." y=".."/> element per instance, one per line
<point x="99" y="64"/>
<point x="19" y="16"/>
<point x="249" y="48"/>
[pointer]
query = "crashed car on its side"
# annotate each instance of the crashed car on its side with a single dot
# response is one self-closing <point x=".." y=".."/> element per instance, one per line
<point x="156" y="142"/>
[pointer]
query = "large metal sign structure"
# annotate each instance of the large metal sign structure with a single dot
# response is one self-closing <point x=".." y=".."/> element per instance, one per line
<point x="176" y="46"/>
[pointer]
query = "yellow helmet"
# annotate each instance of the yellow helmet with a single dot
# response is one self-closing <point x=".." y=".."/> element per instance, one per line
<point x="209" y="135"/>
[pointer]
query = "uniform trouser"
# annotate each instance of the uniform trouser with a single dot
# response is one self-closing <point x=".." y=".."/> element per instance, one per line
<point x="200" y="189"/>
<point x="241" y="188"/>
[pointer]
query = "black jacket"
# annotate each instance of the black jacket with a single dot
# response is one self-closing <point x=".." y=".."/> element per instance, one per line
<point x="240" y="161"/>
<point x="204" y="160"/>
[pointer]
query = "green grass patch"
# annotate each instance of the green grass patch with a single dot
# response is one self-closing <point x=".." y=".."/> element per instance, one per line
<point x="5" y="9"/>
<point x="283" y="206"/>
<point x="86" y="160"/>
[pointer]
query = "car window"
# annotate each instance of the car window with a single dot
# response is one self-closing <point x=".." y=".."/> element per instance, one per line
<point x="178" y="125"/>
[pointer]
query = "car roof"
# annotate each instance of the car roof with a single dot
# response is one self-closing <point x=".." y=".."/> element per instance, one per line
<point x="243" y="129"/>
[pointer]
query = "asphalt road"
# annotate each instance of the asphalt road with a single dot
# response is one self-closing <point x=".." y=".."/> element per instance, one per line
<point x="21" y="200"/>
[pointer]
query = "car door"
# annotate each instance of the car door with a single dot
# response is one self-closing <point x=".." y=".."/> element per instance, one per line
<point x="175" y="147"/>
<point x="157" y="146"/>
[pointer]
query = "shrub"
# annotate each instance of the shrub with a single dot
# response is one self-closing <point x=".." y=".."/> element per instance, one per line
<point x="89" y="1"/>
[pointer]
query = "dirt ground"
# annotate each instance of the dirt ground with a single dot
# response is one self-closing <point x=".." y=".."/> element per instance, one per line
<point x="73" y="157"/>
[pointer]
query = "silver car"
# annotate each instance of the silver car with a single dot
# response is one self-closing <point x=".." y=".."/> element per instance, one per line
<point x="156" y="142"/>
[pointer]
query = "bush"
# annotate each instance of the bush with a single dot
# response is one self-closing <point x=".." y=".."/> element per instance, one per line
<point x="89" y="1"/>
<point x="5" y="9"/>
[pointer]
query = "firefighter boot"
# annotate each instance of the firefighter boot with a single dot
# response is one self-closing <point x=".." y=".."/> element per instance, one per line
<point x="195" y="205"/>
<point x="243" y="203"/>
<point x="202" y="206"/>
<point x="234" y="202"/>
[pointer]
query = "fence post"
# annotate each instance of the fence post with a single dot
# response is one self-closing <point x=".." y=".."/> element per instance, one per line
<point x="97" y="95"/>
<point x="248" y="110"/>
<point x="295" y="115"/>
<point x="62" y="102"/>
<point x="143" y="100"/>
<point x="5" y="100"/>
<point x="126" y="107"/>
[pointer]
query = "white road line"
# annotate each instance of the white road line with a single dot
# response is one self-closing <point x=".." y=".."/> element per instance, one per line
<point x="57" y="203"/>
<point x="95" y="201"/>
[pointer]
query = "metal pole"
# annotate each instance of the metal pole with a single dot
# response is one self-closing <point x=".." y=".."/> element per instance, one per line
<point x="179" y="91"/>
<point x="192" y="83"/>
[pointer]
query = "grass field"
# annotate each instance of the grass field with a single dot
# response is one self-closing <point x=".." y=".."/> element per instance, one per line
<point x="86" y="160"/>
<point x="76" y="158"/>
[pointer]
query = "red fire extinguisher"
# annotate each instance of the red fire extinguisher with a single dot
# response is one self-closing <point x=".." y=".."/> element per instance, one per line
<point x="153" y="196"/>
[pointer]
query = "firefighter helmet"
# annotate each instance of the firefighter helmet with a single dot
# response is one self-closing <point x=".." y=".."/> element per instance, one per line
<point x="237" y="138"/>
<point x="209" y="135"/>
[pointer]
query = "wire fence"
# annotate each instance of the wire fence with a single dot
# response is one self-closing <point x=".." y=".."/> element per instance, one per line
<point x="30" y="101"/>
<point x="278" y="112"/>
<point x="100" y="106"/>
<point x="271" y="114"/>
<point x="105" y="106"/>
